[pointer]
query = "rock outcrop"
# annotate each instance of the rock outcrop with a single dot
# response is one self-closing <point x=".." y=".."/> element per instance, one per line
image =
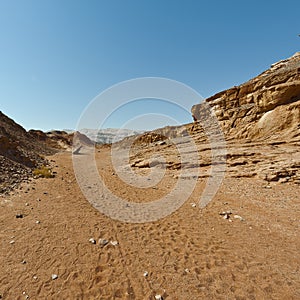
<point x="21" y="151"/>
<point x="266" y="106"/>
<point x="60" y="140"/>
<point x="260" y="121"/>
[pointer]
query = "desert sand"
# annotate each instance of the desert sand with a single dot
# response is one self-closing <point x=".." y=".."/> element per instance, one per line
<point x="191" y="254"/>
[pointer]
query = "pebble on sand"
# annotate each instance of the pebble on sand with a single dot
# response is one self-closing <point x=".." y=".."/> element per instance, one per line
<point x="92" y="241"/>
<point x="238" y="217"/>
<point x="114" y="243"/>
<point x="54" y="276"/>
<point x="145" y="274"/>
<point x="103" y="242"/>
<point x="158" y="297"/>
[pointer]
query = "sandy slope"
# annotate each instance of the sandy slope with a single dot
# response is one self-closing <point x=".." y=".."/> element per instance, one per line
<point x="191" y="254"/>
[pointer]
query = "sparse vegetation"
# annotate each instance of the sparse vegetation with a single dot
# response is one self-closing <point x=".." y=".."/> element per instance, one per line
<point x="43" y="172"/>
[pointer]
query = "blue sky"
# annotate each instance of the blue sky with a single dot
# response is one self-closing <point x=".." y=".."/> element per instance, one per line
<point x="56" y="56"/>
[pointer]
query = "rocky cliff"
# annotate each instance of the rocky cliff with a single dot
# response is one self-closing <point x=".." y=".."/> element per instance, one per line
<point x="267" y="106"/>
<point x="260" y="121"/>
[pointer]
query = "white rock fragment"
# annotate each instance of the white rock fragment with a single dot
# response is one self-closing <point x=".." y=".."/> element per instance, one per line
<point x="35" y="277"/>
<point x="92" y="241"/>
<point x="226" y="214"/>
<point x="238" y="217"/>
<point x="37" y="222"/>
<point x="145" y="274"/>
<point x="114" y="243"/>
<point x="158" y="297"/>
<point x="283" y="180"/>
<point x="12" y="242"/>
<point x="103" y="242"/>
<point x="54" y="276"/>
<point x="193" y="204"/>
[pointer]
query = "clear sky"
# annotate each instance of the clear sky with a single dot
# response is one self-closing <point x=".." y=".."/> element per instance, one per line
<point x="57" y="55"/>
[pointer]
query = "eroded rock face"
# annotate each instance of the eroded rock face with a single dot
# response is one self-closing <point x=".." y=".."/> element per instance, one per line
<point x="260" y="120"/>
<point x="60" y="140"/>
<point x="266" y="105"/>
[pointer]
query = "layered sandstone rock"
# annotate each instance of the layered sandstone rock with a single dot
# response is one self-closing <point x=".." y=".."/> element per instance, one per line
<point x="259" y="122"/>
<point x="263" y="107"/>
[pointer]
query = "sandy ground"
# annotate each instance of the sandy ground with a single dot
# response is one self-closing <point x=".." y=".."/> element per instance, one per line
<point x="190" y="254"/>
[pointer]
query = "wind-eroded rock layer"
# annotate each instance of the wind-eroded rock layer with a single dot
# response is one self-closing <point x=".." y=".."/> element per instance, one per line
<point x="259" y="121"/>
<point x="267" y="106"/>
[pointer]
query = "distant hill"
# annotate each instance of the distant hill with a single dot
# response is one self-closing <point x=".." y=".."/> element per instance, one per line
<point x="108" y="136"/>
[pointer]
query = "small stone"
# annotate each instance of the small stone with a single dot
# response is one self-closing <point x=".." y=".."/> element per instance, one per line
<point x="145" y="274"/>
<point x="92" y="241"/>
<point x="35" y="277"/>
<point x="186" y="270"/>
<point x="224" y="213"/>
<point x="193" y="204"/>
<point x="23" y="262"/>
<point x="268" y="187"/>
<point x="12" y="242"/>
<point x="54" y="276"/>
<point x="103" y="242"/>
<point x="283" y="180"/>
<point x="114" y="243"/>
<point x="26" y="204"/>
<point x="37" y="222"/>
<point x="19" y="216"/>
<point x="238" y="217"/>
<point x="158" y="297"/>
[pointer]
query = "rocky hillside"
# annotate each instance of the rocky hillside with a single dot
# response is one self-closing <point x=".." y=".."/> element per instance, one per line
<point x="260" y="121"/>
<point x="60" y="140"/>
<point x="21" y="151"/>
<point x="267" y="106"/>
